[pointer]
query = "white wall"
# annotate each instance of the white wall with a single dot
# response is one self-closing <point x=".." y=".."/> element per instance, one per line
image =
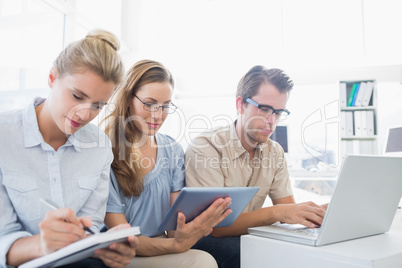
<point x="209" y="44"/>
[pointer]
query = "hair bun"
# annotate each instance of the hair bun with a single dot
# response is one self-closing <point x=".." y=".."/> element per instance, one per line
<point x="105" y="36"/>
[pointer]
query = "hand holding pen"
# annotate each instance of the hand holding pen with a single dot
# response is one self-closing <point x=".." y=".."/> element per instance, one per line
<point x="117" y="253"/>
<point x="61" y="227"/>
<point x="53" y="206"/>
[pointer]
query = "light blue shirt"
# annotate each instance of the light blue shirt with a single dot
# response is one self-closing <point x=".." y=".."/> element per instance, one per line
<point x="75" y="176"/>
<point x="149" y="209"/>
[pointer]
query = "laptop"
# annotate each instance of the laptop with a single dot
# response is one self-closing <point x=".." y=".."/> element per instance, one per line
<point x="393" y="145"/>
<point x="364" y="203"/>
<point x="192" y="201"/>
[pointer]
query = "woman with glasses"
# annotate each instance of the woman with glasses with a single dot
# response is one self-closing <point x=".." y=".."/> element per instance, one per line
<point x="148" y="172"/>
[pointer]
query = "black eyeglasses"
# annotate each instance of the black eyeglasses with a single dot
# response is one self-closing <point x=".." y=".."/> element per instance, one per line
<point x="268" y="110"/>
<point x="154" y="107"/>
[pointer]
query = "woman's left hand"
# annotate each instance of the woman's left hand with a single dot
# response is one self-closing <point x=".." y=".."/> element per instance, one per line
<point x="118" y="254"/>
<point x="187" y="234"/>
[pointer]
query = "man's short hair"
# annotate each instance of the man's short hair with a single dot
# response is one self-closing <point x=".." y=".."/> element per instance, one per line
<point x="256" y="76"/>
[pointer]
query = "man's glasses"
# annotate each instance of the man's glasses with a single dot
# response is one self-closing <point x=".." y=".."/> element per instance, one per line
<point x="154" y="107"/>
<point x="268" y="110"/>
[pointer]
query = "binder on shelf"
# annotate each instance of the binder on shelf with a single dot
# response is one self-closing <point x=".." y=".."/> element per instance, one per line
<point x="349" y="123"/>
<point x="343" y="95"/>
<point x="364" y="123"/>
<point x="343" y="124"/>
<point x="343" y="147"/>
<point x="370" y="123"/>
<point x="356" y="146"/>
<point x="358" y="123"/>
<point x="360" y="94"/>
<point x="352" y="94"/>
<point x="355" y="95"/>
<point x="366" y="147"/>
<point x="347" y="147"/>
<point x="367" y="93"/>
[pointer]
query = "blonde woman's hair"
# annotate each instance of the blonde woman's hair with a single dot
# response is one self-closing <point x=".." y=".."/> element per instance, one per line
<point x="97" y="52"/>
<point x="121" y="129"/>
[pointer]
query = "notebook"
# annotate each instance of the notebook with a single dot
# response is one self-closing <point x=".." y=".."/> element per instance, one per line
<point x="364" y="203"/>
<point x="192" y="201"/>
<point x="81" y="249"/>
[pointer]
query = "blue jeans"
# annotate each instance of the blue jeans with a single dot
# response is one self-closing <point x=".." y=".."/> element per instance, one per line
<point x="225" y="250"/>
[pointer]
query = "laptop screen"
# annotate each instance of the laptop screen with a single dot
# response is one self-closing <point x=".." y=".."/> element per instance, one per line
<point x="394" y="142"/>
<point x="280" y="135"/>
<point x="394" y="145"/>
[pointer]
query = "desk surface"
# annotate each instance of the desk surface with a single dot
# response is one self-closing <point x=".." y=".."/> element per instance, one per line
<point x="383" y="250"/>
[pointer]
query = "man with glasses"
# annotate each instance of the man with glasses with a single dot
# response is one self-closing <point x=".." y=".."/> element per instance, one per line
<point x="242" y="155"/>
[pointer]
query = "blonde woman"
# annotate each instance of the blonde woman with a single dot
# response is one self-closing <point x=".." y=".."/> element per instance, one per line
<point x="148" y="172"/>
<point x="48" y="150"/>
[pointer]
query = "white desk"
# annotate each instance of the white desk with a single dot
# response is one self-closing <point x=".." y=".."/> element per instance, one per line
<point x="376" y="251"/>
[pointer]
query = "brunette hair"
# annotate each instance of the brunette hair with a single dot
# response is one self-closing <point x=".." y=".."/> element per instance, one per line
<point x="256" y="76"/>
<point x="121" y="129"/>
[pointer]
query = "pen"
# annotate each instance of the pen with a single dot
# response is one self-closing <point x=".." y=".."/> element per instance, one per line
<point x="53" y="206"/>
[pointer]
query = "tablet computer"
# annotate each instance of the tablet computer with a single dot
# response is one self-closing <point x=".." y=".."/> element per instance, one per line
<point x="192" y="201"/>
<point x="81" y="249"/>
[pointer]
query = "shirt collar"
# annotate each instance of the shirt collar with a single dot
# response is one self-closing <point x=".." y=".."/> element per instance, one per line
<point x="74" y="140"/>
<point x="261" y="146"/>
<point x="32" y="135"/>
<point x="236" y="149"/>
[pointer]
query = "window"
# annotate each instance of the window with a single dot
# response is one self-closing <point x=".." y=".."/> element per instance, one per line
<point x="33" y="33"/>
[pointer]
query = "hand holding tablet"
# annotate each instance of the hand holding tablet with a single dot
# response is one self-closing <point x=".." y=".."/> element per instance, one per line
<point x="192" y="201"/>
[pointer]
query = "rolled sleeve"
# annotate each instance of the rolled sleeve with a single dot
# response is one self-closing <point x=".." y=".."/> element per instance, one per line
<point x="178" y="170"/>
<point x="281" y="186"/>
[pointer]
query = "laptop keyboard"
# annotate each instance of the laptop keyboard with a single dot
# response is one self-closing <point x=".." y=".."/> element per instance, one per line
<point x="307" y="231"/>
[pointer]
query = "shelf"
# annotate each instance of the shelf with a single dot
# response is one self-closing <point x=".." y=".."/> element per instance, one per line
<point x="360" y="108"/>
<point x="360" y="138"/>
<point x="317" y="175"/>
<point x="358" y="123"/>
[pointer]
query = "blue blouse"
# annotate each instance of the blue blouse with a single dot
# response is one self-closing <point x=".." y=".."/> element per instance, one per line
<point x="75" y="176"/>
<point x="149" y="209"/>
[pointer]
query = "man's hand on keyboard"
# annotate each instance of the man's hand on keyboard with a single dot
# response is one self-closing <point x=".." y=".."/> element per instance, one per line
<point x="308" y="213"/>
